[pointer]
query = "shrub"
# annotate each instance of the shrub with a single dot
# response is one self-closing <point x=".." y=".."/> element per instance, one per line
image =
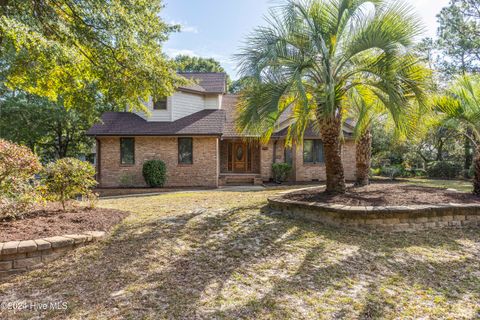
<point x="155" y="173"/>
<point x="375" y="171"/>
<point x="443" y="169"/>
<point x="18" y="165"/>
<point x="394" y="171"/>
<point x="280" y="171"/>
<point x="68" y="178"/>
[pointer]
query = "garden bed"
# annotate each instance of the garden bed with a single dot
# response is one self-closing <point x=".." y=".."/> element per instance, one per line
<point x="383" y="207"/>
<point x="385" y="194"/>
<point x="52" y="221"/>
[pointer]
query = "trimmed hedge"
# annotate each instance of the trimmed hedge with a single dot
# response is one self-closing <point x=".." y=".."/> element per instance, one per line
<point x="155" y="173"/>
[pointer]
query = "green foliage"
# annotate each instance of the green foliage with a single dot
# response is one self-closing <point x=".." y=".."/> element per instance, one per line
<point x="293" y="70"/>
<point x="155" y="173"/>
<point x="312" y="54"/>
<point x="18" y="165"/>
<point x="444" y="169"/>
<point x="187" y="63"/>
<point x="375" y="171"/>
<point x="237" y="86"/>
<point x="48" y="128"/>
<point x="280" y="171"/>
<point x="459" y="39"/>
<point x="460" y="104"/>
<point x="68" y="178"/>
<point x="82" y="51"/>
<point x="394" y="171"/>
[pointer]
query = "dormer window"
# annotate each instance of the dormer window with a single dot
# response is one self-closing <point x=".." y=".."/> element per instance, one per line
<point x="160" y="104"/>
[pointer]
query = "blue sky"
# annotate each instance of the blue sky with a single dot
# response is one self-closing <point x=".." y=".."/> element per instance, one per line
<point x="217" y="29"/>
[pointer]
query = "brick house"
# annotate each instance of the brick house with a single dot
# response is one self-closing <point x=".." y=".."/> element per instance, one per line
<point x="193" y="132"/>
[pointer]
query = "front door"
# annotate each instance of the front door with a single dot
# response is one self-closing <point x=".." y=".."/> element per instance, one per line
<point x="239" y="157"/>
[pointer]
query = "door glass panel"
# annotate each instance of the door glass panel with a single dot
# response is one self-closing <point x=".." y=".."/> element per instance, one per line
<point x="239" y="153"/>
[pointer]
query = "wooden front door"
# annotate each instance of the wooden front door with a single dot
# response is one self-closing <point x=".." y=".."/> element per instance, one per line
<point x="239" y="157"/>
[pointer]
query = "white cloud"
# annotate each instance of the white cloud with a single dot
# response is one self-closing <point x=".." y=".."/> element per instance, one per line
<point x="185" y="27"/>
<point x="172" y="52"/>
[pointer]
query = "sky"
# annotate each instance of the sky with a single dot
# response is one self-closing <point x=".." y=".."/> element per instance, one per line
<point x="218" y="28"/>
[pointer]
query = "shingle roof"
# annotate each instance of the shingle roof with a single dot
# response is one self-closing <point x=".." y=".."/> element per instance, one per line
<point x="210" y="82"/>
<point x="229" y="104"/>
<point x="205" y="122"/>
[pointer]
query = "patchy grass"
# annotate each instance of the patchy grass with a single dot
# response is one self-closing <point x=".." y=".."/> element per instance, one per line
<point x="221" y="255"/>
<point x="461" y="185"/>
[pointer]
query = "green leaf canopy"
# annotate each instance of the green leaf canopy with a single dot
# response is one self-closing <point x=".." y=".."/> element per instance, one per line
<point x="83" y="51"/>
<point x="313" y="52"/>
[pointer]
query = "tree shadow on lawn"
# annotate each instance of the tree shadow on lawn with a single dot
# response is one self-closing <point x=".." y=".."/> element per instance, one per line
<point x="236" y="263"/>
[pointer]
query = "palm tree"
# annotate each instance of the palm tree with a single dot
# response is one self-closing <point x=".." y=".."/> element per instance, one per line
<point x="461" y="103"/>
<point x="311" y="54"/>
<point x="366" y="107"/>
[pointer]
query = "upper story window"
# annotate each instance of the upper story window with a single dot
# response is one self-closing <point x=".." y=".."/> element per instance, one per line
<point x="313" y="151"/>
<point x="127" y="150"/>
<point x="185" y="150"/>
<point x="160" y="104"/>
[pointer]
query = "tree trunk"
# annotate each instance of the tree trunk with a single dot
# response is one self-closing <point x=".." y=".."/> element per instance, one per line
<point x="467" y="147"/>
<point x="330" y="131"/>
<point x="476" y="178"/>
<point x="363" y="152"/>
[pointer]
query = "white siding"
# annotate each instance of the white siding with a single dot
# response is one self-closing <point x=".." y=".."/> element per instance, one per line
<point x="213" y="102"/>
<point x="157" y="115"/>
<point x="181" y="104"/>
<point x="185" y="104"/>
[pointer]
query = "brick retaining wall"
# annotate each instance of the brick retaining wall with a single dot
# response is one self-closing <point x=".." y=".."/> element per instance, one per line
<point x="19" y="256"/>
<point x="391" y="218"/>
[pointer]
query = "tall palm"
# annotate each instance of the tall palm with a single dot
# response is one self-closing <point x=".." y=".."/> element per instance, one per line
<point x="461" y="102"/>
<point x="367" y="107"/>
<point x="311" y="54"/>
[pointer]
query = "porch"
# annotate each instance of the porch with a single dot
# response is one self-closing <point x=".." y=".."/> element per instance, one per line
<point x="239" y="162"/>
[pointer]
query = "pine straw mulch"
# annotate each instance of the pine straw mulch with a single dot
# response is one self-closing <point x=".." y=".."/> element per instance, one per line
<point x="385" y="194"/>
<point x="51" y="220"/>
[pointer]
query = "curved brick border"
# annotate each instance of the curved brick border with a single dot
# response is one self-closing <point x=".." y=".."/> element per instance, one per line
<point x="19" y="256"/>
<point x="391" y="218"/>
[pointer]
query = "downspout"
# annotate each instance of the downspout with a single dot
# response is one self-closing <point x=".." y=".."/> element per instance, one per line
<point x="98" y="160"/>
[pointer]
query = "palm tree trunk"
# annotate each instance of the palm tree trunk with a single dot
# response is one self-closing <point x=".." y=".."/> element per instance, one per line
<point x="330" y="131"/>
<point x="363" y="153"/>
<point x="476" y="178"/>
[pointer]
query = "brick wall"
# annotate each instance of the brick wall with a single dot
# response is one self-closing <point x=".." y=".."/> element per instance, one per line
<point x="306" y="172"/>
<point x="203" y="171"/>
<point x="266" y="159"/>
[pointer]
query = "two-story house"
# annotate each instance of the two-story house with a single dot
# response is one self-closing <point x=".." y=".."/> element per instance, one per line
<point x="193" y="132"/>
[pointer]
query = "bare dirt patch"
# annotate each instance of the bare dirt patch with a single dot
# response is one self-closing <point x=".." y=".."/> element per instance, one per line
<point x="51" y="221"/>
<point x="385" y="194"/>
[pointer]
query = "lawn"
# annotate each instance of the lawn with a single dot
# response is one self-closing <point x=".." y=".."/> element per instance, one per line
<point x="219" y="254"/>
<point x="461" y="185"/>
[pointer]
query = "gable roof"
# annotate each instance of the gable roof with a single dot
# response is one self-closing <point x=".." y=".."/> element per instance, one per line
<point x="220" y="122"/>
<point x="229" y="104"/>
<point x="206" y="82"/>
<point x="205" y="122"/>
